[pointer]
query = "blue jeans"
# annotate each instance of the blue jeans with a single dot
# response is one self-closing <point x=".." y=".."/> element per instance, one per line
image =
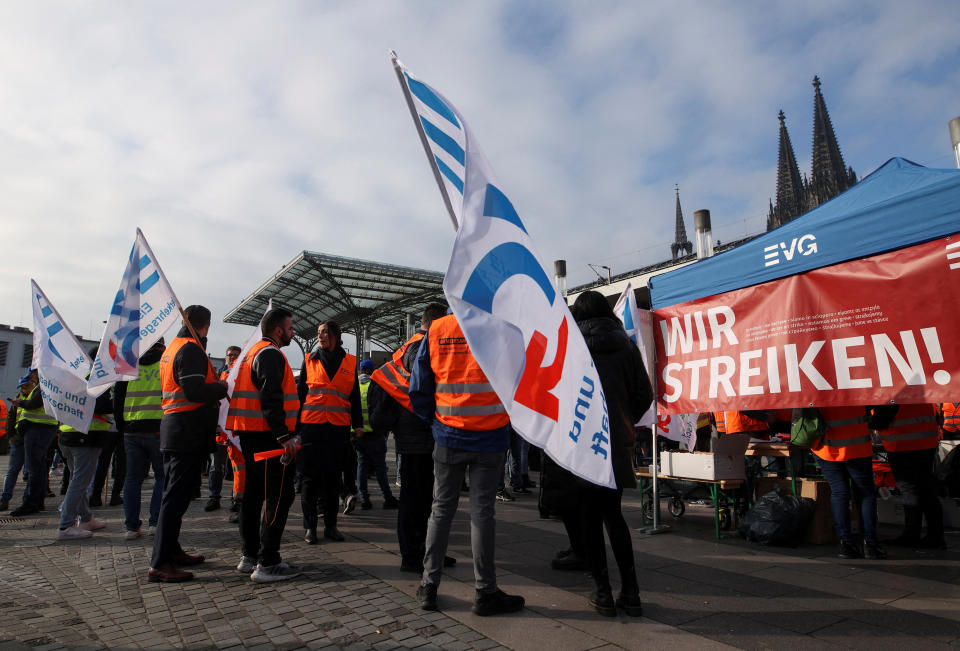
<point x="13" y="470"/>
<point x="143" y="452"/>
<point x="372" y="456"/>
<point x="36" y="442"/>
<point x="82" y="462"/>
<point x="450" y="465"/>
<point x="839" y="474"/>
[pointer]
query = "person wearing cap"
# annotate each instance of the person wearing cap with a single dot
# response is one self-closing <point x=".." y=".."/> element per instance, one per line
<point x="15" y="437"/>
<point x="371" y="446"/>
<point x="137" y="412"/>
<point x="38" y="429"/>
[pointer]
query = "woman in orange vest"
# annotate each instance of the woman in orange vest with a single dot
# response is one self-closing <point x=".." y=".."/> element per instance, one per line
<point x="331" y="406"/>
<point x="911" y="442"/>
<point x="846" y="455"/>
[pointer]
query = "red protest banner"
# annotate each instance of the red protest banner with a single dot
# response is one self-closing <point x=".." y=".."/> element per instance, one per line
<point x="881" y="329"/>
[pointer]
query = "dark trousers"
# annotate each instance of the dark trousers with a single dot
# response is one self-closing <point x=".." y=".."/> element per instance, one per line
<point x="217" y="470"/>
<point x="112" y="450"/>
<point x="599" y="507"/>
<point x="348" y="484"/>
<point x="320" y="463"/>
<point x="839" y="474"/>
<point x="36" y="442"/>
<point x="913" y="471"/>
<point x="371" y="451"/>
<point x="180" y="471"/>
<point x="266" y="499"/>
<point x="416" y="499"/>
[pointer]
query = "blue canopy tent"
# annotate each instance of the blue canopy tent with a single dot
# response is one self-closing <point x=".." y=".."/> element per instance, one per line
<point x="898" y="205"/>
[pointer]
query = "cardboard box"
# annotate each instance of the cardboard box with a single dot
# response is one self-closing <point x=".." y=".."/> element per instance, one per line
<point x="725" y="462"/>
<point x="890" y="510"/>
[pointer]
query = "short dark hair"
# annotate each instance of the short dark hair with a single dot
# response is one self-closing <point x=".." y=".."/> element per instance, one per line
<point x="197" y="315"/>
<point x="234" y="348"/>
<point x="272" y="319"/>
<point x="432" y="312"/>
<point x="333" y="328"/>
<point x="591" y="305"/>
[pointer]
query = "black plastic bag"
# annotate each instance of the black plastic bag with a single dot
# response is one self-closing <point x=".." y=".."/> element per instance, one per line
<point x="778" y="519"/>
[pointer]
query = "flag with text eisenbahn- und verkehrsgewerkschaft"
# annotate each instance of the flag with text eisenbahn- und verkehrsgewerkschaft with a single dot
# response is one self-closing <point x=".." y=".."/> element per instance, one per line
<point x="144" y="308"/>
<point x="639" y="326"/>
<point x="62" y="365"/>
<point x="515" y="321"/>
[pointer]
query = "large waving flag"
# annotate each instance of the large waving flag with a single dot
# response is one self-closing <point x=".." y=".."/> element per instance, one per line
<point x="516" y="322"/>
<point x="144" y="308"/>
<point x="62" y="365"/>
<point x="255" y="335"/>
<point x="639" y="326"/>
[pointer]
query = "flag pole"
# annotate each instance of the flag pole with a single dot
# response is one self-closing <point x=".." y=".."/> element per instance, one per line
<point x="398" y="68"/>
<point x="656" y="527"/>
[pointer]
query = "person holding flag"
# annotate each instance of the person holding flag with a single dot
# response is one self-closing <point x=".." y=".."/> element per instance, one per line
<point x="38" y="429"/>
<point x="191" y="394"/>
<point x="263" y="413"/>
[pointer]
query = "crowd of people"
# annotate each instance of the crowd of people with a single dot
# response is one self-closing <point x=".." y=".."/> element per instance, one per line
<point x="323" y="434"/>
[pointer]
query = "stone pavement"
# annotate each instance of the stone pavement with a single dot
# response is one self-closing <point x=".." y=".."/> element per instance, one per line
<point x="698" y="592"/>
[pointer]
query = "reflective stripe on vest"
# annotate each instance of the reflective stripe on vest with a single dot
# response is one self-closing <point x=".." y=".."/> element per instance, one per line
<point x="246" y="410"/>
<point x="915" y="428"/>
<point x="720" y="420"/>
<point x="98" y="424"/>
<point x="464" y="397"/>
<point x="37" y="415"/>
<point x="143" y="399"/>
<point x="174" y="400"/>
<point x="364" y="387"/>
<point x="847" y="436"/>
<point x="328" y="399"/>
<point x="951" y="417"/>
<point x="394" y="378"/>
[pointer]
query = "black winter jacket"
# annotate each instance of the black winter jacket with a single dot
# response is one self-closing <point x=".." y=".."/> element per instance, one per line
<point x="411" y="433"/>
<point x="625" y="385"/>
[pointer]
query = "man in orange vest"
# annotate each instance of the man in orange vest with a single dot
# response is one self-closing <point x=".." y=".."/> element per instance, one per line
<point x="471" y="429"/>
<point x="331" y="408"/>
<point x="191" y="394"/>
<point x="950" y="412"/>
<point x="263" y="413"/>
<point x="390" y="409"/>
<point x="911" y="440"/>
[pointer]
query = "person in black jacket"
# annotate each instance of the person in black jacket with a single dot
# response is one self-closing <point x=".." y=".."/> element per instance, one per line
<point x="628" y="395"/>
<point x="191" y="395"/>
<point x="414" y="442"/>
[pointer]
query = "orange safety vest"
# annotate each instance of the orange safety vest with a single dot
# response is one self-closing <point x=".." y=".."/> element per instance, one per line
<point x="239" y="469"/>
<point x="328" y="400"/>
<point x="951" y="416"/>
<point x="737" y="421"/>
<point x="174" y="399"/>
<point x="465" y="399"/>
<point x="915" y="428"/>
<point x="847" y="436"/>
<point x="720" y="422"/>
<point x="394" y="378"/>
<point x="246" y="411"/>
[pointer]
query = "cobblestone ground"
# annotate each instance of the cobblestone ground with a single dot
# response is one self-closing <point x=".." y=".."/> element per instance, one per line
<point x="95" y="593"/>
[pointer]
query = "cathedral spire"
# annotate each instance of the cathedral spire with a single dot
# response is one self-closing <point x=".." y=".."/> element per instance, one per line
<point x="790" y="186"/>
<point x="830" y="175"/>
<point x="681" y="243"/>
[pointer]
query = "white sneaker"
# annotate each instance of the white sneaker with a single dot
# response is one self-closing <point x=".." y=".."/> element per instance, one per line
<point x="152" y="530"/>
<point x="92" y="524"/>
<point x="349" y="504"/>
<point x="268" y="573"/>
<point x="73" y="533"/>
<point x="247" y="565"/>
<point x="132" y="535"/>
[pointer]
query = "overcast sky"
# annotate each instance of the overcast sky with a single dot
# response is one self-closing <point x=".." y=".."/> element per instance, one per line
<point x="237" y="134"/>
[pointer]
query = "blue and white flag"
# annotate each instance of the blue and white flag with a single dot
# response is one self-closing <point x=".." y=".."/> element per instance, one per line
<point x="516" y="323"/>
<point x="144" y="308"/>
<point x="639" y="326"/>
<point x="62" y="365"/>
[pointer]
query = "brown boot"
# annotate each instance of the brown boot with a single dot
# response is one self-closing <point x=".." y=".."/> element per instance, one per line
<point x="168" y="573"/>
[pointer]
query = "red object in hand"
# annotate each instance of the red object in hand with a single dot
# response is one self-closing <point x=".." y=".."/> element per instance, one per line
<point x="269" y="454"/>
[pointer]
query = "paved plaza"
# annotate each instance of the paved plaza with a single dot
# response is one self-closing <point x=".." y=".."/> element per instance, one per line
<point x="698" y="593"/>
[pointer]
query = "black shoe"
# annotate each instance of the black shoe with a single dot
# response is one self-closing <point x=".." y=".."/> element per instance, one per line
<point x="50" y="493"/>
<point x="391" y="503"/>
<point x="903" y="540"/>
<point x="874" y="552"/>
<point x="449" y="561"/>
<point x="413" y="567"/>
<point x="234" y="517"/>
<point x="235" y="505"/>
<point x="504" y="496"/>
<point x="427" y="596"/>
<point x="25" y="509"/>
<point x="366" y="504"/>
<point x="928" y="542"/>
<point x="311" y="537"/>
<point x="630" y="604"/>
<point x="349" y="504"/>
<point x="522" y="491"/>
<point x="4" y="505"/>
<point x="213" y="504"/>
<point x="496" y="603"/>
<point x="602" y="602"/>
<point x="331" y="533"/>
<point x="848" y="550"/>
<point x="529" y="483"/>
<point x="95" y="500"/>
<point x="568" y="562"/>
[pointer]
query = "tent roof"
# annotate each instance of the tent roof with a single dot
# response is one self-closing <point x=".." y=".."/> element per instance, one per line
<point x="317" y="287"/>
<point x="898" y="205"/>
